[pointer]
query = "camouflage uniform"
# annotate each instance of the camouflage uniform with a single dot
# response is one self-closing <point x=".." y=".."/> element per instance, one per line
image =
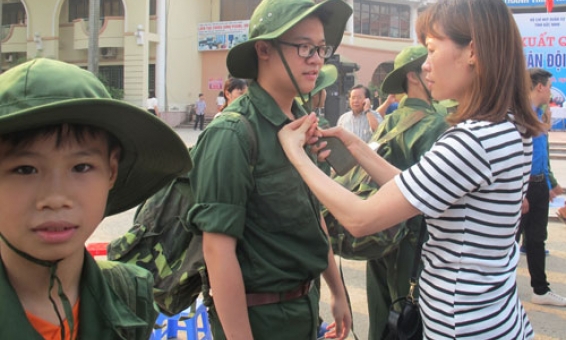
<point x="269" y="210"/>
<point x="103" y="313"/>
<point x="388" y="277"/>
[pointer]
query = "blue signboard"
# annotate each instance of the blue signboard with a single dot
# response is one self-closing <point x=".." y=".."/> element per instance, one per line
<point x="544" y="43"/>
<point x="531" y="3"/>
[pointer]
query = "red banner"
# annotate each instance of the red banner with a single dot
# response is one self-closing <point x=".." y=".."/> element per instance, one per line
<point x="549" y="5"/>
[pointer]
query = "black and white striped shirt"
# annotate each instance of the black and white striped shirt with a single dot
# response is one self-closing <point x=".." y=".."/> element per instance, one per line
<point x="470" y="186"/>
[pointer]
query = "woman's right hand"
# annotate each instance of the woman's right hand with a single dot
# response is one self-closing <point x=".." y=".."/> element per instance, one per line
<point x="296" y="134"/>
<point x="348" y="138"/>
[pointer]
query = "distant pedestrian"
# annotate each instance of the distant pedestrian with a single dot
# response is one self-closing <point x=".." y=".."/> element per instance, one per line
<point x="200" y="110"/>
<point x="221" y="99"/>
<point x="151" y="103"/>
<point x="361" y="119"/>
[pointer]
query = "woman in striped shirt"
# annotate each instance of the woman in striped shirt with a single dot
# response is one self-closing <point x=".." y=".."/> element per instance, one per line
<point x="469" y="186"/>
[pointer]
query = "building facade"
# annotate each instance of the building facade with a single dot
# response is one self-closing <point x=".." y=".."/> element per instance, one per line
<point x="178" y="48"/>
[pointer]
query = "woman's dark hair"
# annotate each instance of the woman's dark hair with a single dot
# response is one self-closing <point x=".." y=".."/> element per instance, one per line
<point x="232" y="84"/>
<point x="501" y="83"/>
<point x="62" y="133"/>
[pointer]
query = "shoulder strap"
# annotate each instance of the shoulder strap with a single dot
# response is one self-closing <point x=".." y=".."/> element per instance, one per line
<point x="403" y="125"/>
<point x="253" y="139"/>
<point x="251" y="134"/>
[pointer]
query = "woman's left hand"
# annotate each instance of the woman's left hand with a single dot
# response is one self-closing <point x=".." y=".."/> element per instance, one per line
<point x="296" y="134"/>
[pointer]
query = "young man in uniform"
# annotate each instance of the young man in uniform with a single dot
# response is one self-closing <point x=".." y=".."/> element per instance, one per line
<point x="388" y="277"/>
<point x="263" y="240"/>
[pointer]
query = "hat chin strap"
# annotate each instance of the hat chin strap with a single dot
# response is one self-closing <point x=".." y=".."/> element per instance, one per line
<point x="427" y="91"/>
<point x="52" y="265"/>
<point x="306" y="104"/>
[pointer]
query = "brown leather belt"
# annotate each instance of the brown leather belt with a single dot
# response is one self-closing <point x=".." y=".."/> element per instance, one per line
<point x="258" y="299"/>
<point x="537" y="178"/>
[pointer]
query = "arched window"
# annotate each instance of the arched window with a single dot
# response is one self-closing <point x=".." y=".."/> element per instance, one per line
<point x="379" y="75"/>
<point x="78" y="9"/>
<point x="13" y="13"/>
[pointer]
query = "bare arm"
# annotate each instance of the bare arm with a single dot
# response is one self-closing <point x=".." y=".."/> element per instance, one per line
<point x="382" y="109"/>
<point x="339" y="304"/>
<point x="373" y="123"/>
<point x="227" y="285"/>
<point x="360" y="217"/>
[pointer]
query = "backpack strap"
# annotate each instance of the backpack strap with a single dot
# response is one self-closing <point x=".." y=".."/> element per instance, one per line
<point x="402" y="126"/>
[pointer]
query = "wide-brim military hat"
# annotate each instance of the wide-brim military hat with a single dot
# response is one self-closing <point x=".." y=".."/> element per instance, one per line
<point x="272" y="18"/>
<point x="44" y="92"/>
<point x="409" y="59"/>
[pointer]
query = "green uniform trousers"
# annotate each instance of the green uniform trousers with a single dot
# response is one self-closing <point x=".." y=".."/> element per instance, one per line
<point x="387" y="279"/>
<point x="295" y="319"/>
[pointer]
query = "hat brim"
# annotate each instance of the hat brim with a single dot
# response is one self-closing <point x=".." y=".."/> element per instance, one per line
<point x="143" y="169"/>
<point x="393" y="82"/>
<point x="242" y="58"/>
<point x="327" y="76"/>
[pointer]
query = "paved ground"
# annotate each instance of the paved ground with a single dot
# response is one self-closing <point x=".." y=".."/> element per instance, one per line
<point x="548" y="322"/>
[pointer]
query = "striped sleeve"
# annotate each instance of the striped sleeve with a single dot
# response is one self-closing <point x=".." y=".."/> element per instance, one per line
<point x="455" y="166"/>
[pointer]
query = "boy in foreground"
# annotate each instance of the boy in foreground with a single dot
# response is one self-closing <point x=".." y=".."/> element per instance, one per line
<point x="69" y="156"/>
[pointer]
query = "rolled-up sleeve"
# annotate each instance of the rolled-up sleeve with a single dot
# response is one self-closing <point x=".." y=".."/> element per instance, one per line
<point x="221" y="179"/>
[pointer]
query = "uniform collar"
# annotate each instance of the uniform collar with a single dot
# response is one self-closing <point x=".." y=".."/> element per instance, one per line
<point x="268" y="108"/>
<point x="416" y="103"/>
<point x="102" y="314"/>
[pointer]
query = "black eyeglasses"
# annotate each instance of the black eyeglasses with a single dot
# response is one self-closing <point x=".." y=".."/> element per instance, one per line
<point x="308" y="50"/>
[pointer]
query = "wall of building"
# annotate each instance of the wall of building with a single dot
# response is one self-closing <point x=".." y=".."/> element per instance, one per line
<point x="368" y="52"/>
<point x="214" y="71"/>
<point x="184" y="63"/>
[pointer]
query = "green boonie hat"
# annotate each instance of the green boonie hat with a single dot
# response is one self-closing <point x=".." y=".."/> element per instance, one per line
<point x="44" y="92"/>
<point x="409" y="59"/>
<point x="272" y="18"/>
<point x="326" y="76"/>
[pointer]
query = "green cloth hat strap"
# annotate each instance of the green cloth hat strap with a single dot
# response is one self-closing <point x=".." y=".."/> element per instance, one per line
<point x="428" y="94"/>
<point x="306" y="105"/>
<point x="52" y="265"/>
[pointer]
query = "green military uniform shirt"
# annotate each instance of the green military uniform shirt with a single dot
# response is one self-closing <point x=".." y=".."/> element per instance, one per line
<point x="103" y="312"/>
<point x="267" y="207"/>
<point x="388" y="277"/>
<point x="407" y="148"/>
